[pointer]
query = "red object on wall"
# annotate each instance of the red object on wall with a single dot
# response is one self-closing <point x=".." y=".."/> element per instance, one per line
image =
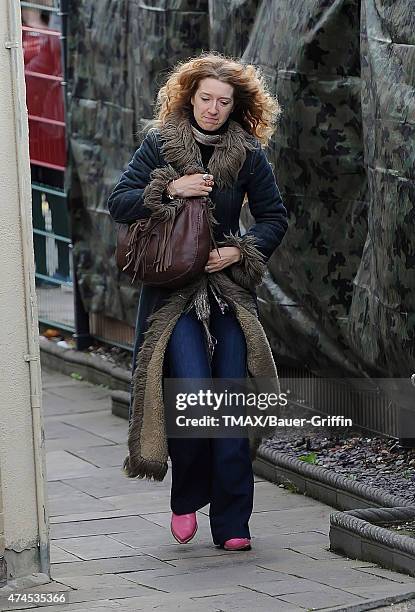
<point x="44" y="97"/>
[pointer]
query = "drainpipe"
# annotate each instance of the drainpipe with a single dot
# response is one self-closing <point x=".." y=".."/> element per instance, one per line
<point x="32" y="357"/>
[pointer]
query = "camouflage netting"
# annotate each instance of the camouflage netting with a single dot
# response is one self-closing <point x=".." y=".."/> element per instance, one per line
<point x="340" y="293"/>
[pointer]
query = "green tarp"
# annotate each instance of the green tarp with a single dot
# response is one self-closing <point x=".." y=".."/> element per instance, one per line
<point x="339" y="296"/>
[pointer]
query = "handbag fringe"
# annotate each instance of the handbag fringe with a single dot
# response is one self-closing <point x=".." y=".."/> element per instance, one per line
<point x="141" y="233"/>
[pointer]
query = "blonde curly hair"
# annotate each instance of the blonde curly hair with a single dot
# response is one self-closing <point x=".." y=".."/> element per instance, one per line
<point x="255" y="109"/>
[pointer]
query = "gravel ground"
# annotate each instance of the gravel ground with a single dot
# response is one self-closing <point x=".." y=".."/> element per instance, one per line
<point x="118" y="356"/>
<point x="406" y="606"/>
<point x="376" y="461"/>
<point x="407" y="529"/>
<point x="112" y="354"/>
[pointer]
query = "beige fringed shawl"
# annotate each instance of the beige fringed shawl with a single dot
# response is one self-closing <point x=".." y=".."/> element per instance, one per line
<point x="147" y="440"/>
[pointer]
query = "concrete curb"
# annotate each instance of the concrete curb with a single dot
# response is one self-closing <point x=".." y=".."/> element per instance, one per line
<point x="359" y="535"/>
<point x="92" y="368"/>
<point x="322" y="484"/>
<point x="120" y="402"/>
<point x="375" y="604"/>
<point x="357" y="532"/>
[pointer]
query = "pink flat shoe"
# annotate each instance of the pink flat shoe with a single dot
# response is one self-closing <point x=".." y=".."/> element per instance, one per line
<point x="183" y="526"/>
<point x="237" y="544"/>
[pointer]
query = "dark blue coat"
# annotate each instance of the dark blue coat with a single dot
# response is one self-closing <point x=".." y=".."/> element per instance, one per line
<point x="256" y="179"/>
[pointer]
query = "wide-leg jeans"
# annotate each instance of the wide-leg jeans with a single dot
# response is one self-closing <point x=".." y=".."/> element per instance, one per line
<point x="211" y="470"/>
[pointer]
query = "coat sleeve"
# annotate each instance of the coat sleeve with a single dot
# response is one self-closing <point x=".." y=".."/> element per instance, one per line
<point x="129" y="198"/>
<point x="261" y="240"/>
<point x="266" y="206"/>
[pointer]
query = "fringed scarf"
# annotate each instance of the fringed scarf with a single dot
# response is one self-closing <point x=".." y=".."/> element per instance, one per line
<point x="181" y="150"/>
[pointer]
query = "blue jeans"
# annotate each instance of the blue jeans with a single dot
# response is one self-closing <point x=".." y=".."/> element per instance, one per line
<point x="211" y="470"/>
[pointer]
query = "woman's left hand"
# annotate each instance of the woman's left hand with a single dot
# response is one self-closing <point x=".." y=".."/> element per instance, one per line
<point x="228" y="256"/>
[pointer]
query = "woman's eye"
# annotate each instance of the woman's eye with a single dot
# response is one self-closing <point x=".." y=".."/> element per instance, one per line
<point x="205" y="99"/>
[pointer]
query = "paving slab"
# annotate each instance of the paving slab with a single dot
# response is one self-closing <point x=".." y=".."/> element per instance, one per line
<point x="56" y="379"/>
<point x="58" y="555"/>
<point x="293" y="519"/>
<point x="112" y="482"/>
<point x="388" y="574"/>
<point x="62" y="498"/>
<point x="100" y="423"/>
<point x="149" y="536"/>
<point x="269" y="497"/>
<point x="111" y="546"/>
<point x="140" y="503"/>
<point x="103" y="605"/>
<point x="291" y="540"/>
<point x="90" y="516"/>
<point x="103" y="456"/>
<point x="95" y="547"/>
<point x="112" y="565"/>
<point x="222" y="560"/>
<point x="80" y="392"/>
<point x="61" y="465"/>
<point x="106" y="592"/>
<point x="123" y="524"/>
<point x="59" y="406"/>
<point x="313" y="551"/>
<point x="58" y="429"/>
<point x="379" y="590"/>
<point x="321" y="599"/>
<point x="246" y="600"/>
<point x="108" y="485"/>
<point x="191" y="580"/>
<point x="76" y="501"/>
<point x="285" y="586"/>
<point x="166" y="602"/>
<point x="76" y="442"/>
<point x="96" y="581"/>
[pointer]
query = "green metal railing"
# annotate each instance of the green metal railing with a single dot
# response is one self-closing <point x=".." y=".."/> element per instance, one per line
<point x="39" y="6"/>
<point x="53" y="257"/>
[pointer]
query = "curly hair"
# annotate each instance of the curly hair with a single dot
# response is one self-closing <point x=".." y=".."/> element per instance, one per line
<point x="255" y="109"/>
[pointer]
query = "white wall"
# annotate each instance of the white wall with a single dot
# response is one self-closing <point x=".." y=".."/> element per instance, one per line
<point x="17" y="434"/>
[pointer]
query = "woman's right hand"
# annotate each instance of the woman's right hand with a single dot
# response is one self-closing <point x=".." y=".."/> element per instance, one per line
<point x="191" y="185"/>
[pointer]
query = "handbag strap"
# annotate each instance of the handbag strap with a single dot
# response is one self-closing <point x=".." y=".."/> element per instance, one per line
<point x="212" y="237"/>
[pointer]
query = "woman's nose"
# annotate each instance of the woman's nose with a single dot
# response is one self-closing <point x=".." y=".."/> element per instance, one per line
<point x="213" y="108"/>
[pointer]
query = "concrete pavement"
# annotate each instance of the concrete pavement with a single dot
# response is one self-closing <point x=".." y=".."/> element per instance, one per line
<point x="111" y="547"/>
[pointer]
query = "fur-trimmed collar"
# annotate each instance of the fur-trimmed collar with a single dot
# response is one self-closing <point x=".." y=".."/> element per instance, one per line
<point x="181" y="150"/>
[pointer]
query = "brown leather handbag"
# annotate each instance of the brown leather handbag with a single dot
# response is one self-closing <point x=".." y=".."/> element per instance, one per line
<point x="167" y="253"/>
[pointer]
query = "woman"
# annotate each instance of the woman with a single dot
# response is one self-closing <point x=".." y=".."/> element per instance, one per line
<point x="212" y="116"/>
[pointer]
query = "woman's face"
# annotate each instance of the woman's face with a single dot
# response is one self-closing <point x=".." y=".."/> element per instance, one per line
<point x="212" y="103"/>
